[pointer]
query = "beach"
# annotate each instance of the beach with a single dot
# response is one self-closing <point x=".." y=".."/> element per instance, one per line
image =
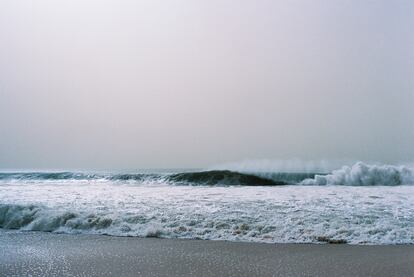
<point x="49" y="254"/>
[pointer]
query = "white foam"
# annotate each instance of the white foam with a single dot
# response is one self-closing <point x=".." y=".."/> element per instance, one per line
<point x="358" y="215"/>
<point x="361" y="174"/>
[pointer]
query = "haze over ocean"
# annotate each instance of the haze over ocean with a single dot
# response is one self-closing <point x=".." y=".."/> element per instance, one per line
<point x="119" y="85"/>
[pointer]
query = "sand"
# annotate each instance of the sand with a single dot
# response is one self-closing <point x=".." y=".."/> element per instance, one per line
<point x="47" y="254"/>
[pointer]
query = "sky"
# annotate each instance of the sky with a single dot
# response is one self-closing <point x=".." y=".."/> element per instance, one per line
<point x="124" y="84"/>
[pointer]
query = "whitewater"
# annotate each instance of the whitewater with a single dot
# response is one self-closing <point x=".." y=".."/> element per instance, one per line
<point x="358" y="204"/>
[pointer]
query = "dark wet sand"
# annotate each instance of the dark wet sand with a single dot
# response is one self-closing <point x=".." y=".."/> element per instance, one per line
<point x="45" y="254"/>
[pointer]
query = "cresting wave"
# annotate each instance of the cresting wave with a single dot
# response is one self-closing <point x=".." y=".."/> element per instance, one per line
<point x="38" y="218"/>
<point x="359" y="174"/>
<point x="208" y="178"/>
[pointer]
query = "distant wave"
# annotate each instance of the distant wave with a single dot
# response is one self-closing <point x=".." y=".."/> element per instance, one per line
<point x="75" y="176"/>
<point x="359" y="174"/>
<point x="208" y="178"/>
<point x="224" y="177"/>
<point x="48" y="176"/>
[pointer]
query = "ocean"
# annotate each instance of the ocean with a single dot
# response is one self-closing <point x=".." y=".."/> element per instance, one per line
<point x="358" y="204"/>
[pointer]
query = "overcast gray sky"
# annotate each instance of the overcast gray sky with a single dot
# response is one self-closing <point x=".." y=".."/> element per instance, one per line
<point x="123" y="84"/>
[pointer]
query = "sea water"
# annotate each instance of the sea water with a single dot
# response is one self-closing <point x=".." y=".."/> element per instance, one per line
<point x="359" y="204"/>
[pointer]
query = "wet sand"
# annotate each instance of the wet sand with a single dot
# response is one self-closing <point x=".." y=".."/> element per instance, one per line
<point x="46" y="254"/>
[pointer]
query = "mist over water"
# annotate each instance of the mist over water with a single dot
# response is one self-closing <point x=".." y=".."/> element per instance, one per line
<point x="120" y="85"/>
<point x="288" y="166"/>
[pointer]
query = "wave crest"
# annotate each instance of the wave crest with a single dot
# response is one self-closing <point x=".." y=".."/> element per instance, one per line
<point x="222" y="177"/>
<point x="39" y="218"/>
<point x="361" y="174"/>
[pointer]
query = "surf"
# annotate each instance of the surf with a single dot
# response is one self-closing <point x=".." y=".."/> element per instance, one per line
<point x="358" y="174"/>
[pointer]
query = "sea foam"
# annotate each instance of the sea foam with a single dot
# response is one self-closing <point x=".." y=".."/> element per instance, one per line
<point x="361" y="174"/>
<point x="292" y="213"/>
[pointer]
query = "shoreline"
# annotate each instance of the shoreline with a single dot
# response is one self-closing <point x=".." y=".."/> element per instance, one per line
<point x="48" y="254"/>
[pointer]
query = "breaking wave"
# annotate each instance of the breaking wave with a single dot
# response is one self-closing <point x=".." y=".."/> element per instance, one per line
<point x="223" y="177"/>
<point x="359" y="174"/>
<point x="38" y="218"/>
<point x="207" y="178"/>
